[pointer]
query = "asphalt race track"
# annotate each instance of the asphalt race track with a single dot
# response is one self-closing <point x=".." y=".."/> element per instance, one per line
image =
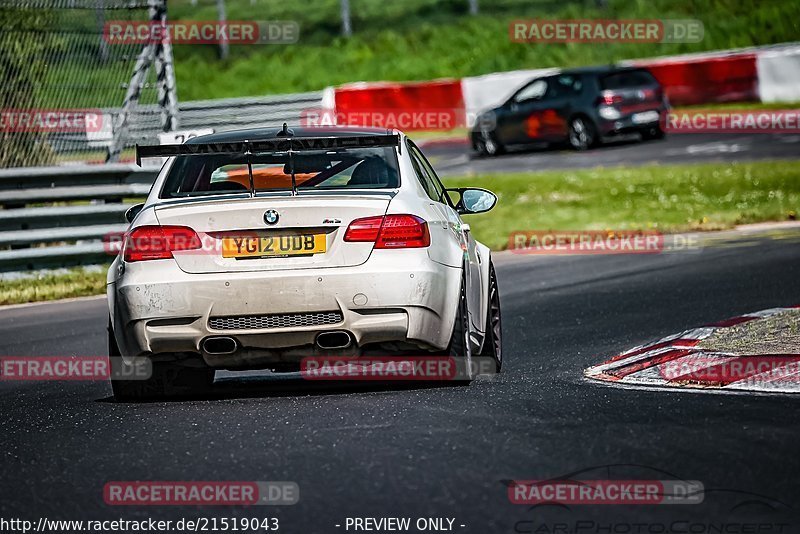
<point x="438" y="451"/>
<point x="456" y="158"/>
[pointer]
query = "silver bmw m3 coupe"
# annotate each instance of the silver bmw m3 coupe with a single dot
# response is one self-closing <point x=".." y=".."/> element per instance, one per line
<point x="258" y="248"/>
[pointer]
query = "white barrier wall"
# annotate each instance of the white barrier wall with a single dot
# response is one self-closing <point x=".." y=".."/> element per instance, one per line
<point x="491" y="90"/>
<point x="779" y="75"/>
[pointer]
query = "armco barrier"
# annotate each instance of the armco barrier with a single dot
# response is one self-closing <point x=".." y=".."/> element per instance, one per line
<point x="34" y="237"/>
<point x="220" y="115"/>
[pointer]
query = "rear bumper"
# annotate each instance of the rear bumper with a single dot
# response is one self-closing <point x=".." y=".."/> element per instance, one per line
<point x="395" y="297"/>
<point x="626" y="125"/>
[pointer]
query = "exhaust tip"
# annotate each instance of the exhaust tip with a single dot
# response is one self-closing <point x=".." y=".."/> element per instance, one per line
<point x="220" y="345"/>
<point x="334" y="340"/>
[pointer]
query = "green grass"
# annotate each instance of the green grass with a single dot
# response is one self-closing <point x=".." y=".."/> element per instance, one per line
<point x="412" y="40"/>
<point x="663" y="198"/>
<point x="416" y="47"/>
<point x="77" y="282"/>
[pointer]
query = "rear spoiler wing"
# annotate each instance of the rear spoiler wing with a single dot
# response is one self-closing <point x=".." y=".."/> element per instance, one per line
<point x="278" y="144"/>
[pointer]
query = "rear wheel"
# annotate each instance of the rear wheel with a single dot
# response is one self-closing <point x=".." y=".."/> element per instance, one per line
<point x="460" y="347"/>
<point x="166" y="379"/>
<point x="653" y="133"/>
<point x="582" y="134"/>
<point x="493" y="340"/>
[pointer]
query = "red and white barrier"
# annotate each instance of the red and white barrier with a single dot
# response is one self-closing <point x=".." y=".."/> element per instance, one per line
<point x="768" y="74"/>
<point x="779" y="76"/>
<point x="706" y="80"/>
<point x="434" y="105"/>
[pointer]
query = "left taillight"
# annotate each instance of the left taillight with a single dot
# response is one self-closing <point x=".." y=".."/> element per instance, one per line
<point x="610" y="98"/>
<point x="158" y="242"/>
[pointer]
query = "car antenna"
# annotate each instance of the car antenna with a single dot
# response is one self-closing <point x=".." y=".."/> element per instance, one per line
<point x="285" y="131"/>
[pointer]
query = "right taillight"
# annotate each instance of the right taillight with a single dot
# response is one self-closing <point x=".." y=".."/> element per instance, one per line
<point x="390" y="231"/>
<point x="158" y="242"/>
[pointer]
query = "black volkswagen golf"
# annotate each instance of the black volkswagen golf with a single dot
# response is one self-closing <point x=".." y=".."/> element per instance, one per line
<point x="581" y="107"/>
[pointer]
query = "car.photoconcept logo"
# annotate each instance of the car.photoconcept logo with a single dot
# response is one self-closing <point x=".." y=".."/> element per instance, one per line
<point x="271" y="217"/>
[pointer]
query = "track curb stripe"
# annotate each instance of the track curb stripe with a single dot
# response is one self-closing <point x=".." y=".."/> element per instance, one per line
<point x="675" y="361"/>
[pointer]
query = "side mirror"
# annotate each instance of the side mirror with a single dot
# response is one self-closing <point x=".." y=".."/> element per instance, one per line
<point x="473" y="200"/>
<point x="132" y="212"/>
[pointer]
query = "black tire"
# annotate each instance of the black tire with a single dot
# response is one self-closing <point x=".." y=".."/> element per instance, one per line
<point x="488" y="146"/>
<point x="493" y="340"/>
<point x="582" y="134"/>
<point x="459" y="347"/>
<point x="167" y="379"/>
<point x="653" y="133"/>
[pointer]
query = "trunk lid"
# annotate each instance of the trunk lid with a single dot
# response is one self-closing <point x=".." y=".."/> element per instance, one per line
<point x="631" y="91"/>
<point x="221" y="222"/>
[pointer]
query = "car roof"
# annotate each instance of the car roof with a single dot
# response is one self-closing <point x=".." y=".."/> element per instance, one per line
<point x="605" y="69"/>
<point x="254" y="134"/>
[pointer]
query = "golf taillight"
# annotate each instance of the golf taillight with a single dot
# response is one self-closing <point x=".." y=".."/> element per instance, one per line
<point x="158" y="242"/>
<point x="390" y="231"/>
<point x="610" y="98"/>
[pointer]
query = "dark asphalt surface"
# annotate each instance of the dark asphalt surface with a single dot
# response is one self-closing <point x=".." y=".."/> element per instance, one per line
<point x="456" y="158"/>
<point x="438" y="452"/>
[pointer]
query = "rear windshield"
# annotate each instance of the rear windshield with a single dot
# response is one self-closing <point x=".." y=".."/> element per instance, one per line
<point x="365" y="168"/>
<point x="631" y="78"/>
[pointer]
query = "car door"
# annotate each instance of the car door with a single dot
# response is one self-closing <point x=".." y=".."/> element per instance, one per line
<point x="460" y="231"/>
<point x="540" y="112"/>
<point x="511" y="130"/>
<point x="549" y="120"/>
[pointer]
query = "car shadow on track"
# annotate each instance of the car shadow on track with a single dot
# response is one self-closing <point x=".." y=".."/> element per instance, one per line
<point x="264" y="385"/>
<point x="555" y="148"/>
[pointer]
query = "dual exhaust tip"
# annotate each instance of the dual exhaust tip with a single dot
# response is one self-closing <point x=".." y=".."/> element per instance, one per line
<point x="221" y="345"/>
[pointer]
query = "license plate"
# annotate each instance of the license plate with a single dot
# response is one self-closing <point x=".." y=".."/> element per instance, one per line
<point x="274" y="245"/>
<point x="643" y="118"/>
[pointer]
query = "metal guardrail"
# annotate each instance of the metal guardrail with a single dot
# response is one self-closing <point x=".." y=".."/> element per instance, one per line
<point x="57" y="216"/>
<point x="223" y="114"/>
<point x="37" y="236"/>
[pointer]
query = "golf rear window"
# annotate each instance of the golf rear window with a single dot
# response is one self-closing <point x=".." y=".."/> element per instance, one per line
<point x="363" y="168"/>
<point x="626" y="79"/>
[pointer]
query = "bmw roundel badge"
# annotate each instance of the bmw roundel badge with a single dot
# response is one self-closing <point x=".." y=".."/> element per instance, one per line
<point x="270" y="216"/>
